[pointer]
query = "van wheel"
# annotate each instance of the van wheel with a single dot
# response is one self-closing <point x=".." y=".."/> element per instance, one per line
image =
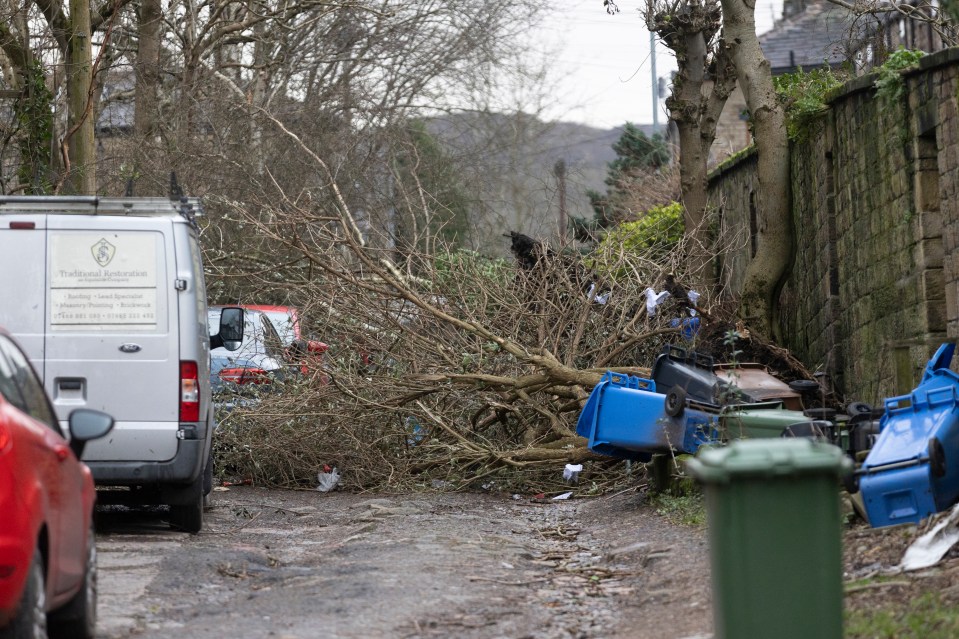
<point x="208" y="475"/>
<point x="78" y="618"/>
<point x="208" y="483"/>
<point x="187" y="515"/>
<point x="31" y="618"/>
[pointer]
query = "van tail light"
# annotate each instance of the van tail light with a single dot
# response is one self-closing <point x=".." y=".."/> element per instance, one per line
<point x="189" y="392"/>
<point x="245" y="375"/>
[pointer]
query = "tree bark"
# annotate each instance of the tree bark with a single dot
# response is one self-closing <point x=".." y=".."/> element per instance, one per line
<point x="81" y="149"/>
<point x="769" y="267"/>
<point x="689" y="30"/>
<point x="147" y="68"/>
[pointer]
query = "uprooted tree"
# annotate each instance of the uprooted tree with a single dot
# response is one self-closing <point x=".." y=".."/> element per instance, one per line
<point x="444" y="365"/>
<point x="448" y="367"/>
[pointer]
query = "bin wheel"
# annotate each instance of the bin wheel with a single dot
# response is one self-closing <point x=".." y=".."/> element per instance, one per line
<point x="937" y="458"/>
<point x="805" y="386"/>
<point x="821" y="413"/>
<point x="675" y="402"/>
<point x="850" y="481"/>
<point x="858" y="408"/>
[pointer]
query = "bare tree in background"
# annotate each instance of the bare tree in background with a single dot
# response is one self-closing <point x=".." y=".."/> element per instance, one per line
<point x="47" y="49"/>
<point x="941" y="17"/>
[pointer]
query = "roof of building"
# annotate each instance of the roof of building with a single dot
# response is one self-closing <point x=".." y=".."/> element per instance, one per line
<point x="818" y="35"/>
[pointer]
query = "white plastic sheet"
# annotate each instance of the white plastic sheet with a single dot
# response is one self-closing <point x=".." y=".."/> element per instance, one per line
<point x="572" y="471"/>
<point x="929" y="549"/>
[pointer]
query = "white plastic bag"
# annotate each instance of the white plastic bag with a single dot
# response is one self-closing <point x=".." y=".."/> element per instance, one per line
<point x="328" y="480"/>
<point x="571" y="472"/>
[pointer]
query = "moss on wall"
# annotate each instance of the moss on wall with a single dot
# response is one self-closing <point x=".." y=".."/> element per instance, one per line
<point x="877" y="254"/>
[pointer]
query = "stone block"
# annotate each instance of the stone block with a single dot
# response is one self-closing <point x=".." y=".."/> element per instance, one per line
<point x="929" y="253"/>
<point x="926" y="183"/>
<point x="952" y="301"/>
<point x="930" y="224"/>
<point x="933" y="284"/>
<point x="936" y="319"/>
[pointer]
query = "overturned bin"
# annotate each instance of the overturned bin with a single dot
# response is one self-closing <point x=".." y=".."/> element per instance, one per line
<point x="624" y="417"/>
<point x="774" y="529"/>
<point x="912" y="470"/>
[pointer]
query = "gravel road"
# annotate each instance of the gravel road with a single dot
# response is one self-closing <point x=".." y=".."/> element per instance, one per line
<point x="304" y="564"/>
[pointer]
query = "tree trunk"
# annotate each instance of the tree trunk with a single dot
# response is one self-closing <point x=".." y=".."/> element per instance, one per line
<point x="769" y="267"/>
<point x="685" y="110"/>
<point x="147" y="69"/>
<point x="80" y="127"/>
<point x="689" y="30"/>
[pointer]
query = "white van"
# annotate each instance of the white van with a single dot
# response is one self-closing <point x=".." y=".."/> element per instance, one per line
<point x="106" y="296"/>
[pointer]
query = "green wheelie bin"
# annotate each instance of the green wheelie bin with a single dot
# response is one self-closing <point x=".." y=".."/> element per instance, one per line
<point x="775" y="537"/>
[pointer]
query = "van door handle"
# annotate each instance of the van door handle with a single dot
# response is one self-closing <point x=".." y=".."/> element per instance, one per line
<point x="70" y="384"/>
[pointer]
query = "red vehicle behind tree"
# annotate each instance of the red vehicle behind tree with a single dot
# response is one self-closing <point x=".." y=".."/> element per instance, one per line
<point x="286" y="321"/>
<point x="47" y="546"/>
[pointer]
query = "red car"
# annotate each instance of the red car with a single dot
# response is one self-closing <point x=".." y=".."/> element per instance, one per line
<point x="48" y="577"/>
<point x="286" y="321"/>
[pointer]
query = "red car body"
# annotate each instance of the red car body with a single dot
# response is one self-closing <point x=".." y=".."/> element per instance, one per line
<point x="46" y="494"/>
<point x="291" y="317"/>
<point x="286" y="321"/>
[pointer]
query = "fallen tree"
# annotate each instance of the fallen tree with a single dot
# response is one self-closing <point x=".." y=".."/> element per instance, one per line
<point x="446" y="367"/>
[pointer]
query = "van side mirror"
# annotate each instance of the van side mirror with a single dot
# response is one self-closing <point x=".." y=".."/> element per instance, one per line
<point x="231" y="327"/>
<point x="86" y="424"/>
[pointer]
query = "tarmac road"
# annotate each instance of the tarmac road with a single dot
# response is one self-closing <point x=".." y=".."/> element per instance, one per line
<point x="304" y="564"/>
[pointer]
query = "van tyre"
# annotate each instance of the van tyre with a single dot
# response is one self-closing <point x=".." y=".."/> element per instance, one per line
<point x="187" y="513"/>
<point x="208" y="483"/>
<point x="78" y="618"/>
<point x="31" y="618"/>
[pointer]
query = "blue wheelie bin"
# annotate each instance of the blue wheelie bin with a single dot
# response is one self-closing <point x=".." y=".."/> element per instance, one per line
<point x="912" y="470"/>
<point x="624" y="417"/>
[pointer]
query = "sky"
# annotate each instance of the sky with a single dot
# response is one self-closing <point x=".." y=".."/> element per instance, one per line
<point x="603" y="64"/>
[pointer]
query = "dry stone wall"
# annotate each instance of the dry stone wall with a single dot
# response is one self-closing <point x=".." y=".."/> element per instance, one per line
<point x="875" y="203"/>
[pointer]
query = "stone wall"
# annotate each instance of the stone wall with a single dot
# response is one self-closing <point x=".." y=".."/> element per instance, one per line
<point x="875" y="202"/>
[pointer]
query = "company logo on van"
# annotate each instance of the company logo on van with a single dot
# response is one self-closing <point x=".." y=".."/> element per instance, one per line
<point x="103" y="252"/>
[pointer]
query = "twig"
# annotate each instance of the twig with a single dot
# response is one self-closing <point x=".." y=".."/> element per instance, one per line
<point x="238" y="528"/>
<point x="504" y="582"/>
<point x="878" y="584"/>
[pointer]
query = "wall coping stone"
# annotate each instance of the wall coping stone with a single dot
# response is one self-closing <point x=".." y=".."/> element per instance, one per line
<point x="935" y="60"/>
<point x="943" y="58"/>
<point x="932" y="61"/>
<point x="733" y="162"/>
